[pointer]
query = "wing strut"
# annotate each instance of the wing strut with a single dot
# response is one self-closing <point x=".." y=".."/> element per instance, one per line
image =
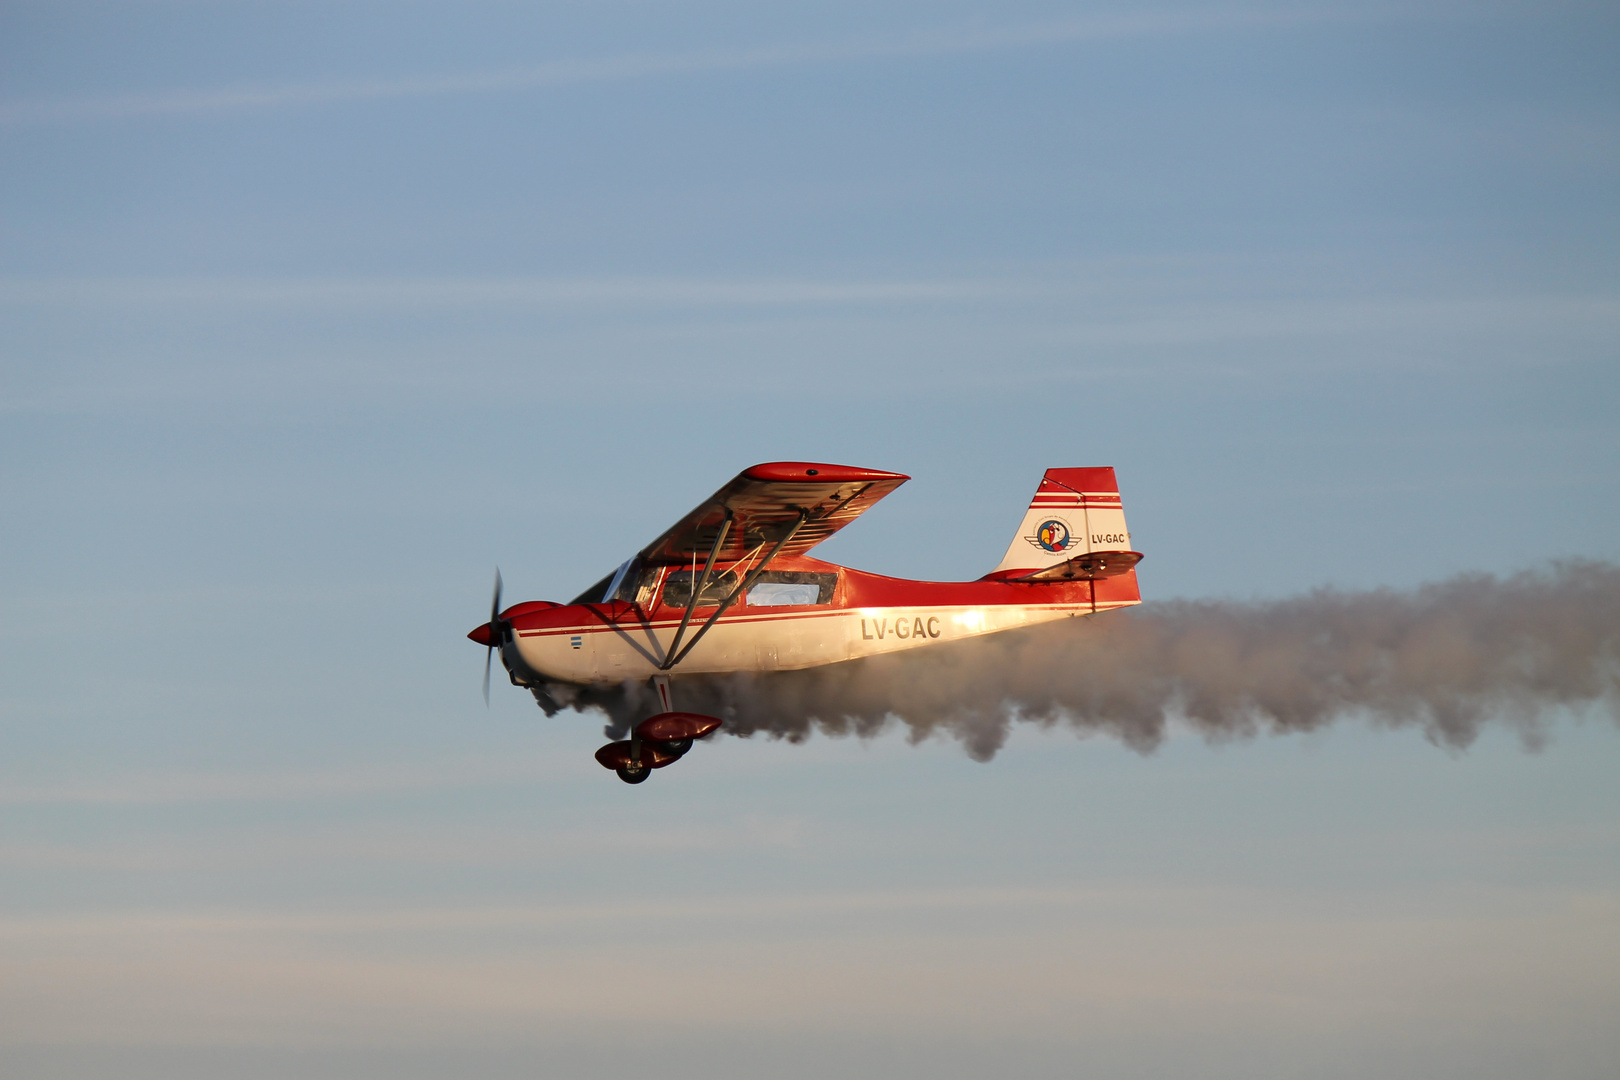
<point x="697" y="594"/>
<point x="671" y="660"/>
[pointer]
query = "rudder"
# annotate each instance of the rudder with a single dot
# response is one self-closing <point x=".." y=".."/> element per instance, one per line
<point x="1075" y="513"/>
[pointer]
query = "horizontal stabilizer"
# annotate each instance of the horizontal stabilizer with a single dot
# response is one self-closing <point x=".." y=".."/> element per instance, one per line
<point x="1089" y="567"/>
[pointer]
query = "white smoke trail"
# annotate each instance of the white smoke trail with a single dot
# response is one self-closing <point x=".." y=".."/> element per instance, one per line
<point x="1448" y="658"/>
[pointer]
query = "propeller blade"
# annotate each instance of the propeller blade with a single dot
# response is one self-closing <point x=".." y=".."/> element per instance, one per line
<point x="495" y="632"/>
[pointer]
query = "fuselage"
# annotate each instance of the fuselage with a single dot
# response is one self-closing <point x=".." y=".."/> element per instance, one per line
<point x="815" y="613"/>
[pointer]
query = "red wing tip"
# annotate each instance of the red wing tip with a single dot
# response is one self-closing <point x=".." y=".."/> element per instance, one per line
<point x="817" y="472"/>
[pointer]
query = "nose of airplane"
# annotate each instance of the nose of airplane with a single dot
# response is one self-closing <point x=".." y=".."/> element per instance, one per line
<point x="483" y="635"/>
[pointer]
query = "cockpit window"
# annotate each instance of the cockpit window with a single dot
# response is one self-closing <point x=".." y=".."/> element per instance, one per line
<point x="678" y="588"/>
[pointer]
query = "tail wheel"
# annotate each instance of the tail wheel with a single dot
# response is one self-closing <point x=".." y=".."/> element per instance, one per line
<point x="634" y="777"/>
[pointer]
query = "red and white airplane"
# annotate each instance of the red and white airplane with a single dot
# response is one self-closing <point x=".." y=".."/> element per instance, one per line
<point x="731" y="587"/>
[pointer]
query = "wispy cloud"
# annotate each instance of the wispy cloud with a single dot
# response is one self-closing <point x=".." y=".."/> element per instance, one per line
<point x="359" y="782"/>
<point x="992" y="962"/>
<point x="1123" y="896"/>
<point x="503" y="291"/>
<point x="1063" y="323"/>
<point x="1138" y="305"/>
<point x="415" y="845"/>
<point x="638" y="66"/>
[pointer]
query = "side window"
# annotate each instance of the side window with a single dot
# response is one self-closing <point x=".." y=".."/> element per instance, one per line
<point x="781" y="588"/>
<point x="781" y="594"/>
<point x="678" y="588"/>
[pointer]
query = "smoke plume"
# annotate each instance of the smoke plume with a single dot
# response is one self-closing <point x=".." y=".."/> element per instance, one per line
<point x="1447" y="658"/>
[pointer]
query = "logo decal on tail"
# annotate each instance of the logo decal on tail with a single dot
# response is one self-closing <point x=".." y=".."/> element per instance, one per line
<point x="1053" y="535"/>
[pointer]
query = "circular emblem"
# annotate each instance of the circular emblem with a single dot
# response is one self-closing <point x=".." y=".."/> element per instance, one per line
<point x="1052" y="535"/>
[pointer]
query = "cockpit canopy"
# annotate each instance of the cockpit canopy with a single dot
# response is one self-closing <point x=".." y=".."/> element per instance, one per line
<point x="636" y="582"/>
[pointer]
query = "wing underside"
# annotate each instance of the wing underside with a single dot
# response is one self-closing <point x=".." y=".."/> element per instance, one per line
<point x="768" y="502"/>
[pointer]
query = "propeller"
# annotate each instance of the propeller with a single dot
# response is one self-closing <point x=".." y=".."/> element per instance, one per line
<point x="497" y="632"/>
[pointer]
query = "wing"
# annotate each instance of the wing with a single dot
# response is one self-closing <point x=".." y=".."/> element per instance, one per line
<point x="766" y="501"/>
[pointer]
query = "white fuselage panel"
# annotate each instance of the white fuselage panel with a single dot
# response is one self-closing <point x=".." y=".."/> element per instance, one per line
<point x="773" y="641"/>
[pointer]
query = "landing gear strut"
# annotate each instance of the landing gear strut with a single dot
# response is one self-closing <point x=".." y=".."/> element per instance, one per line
<point x="657" y="741"/>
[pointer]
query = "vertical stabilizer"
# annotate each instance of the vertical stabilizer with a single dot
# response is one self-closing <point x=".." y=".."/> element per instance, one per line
<point x="1075" y="512"/>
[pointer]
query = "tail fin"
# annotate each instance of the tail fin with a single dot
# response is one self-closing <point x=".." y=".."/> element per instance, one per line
<point x="1075" y="528"/>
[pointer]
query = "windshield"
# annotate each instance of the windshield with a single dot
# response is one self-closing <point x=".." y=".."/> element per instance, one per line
<point x="631" y="582"/>
<point x="594" y="594"/>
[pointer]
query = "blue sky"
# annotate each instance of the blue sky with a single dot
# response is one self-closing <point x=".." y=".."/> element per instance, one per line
<point x="311" y="314"/>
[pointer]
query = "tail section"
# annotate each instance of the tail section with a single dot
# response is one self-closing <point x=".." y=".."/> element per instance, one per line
<point x="1075" y="528"/>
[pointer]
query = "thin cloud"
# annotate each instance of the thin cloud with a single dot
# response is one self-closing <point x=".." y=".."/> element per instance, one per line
<point x="697" y="908"/>
<point x="368" y="782"/>
<point x="1068" y="323"/>
<point x="502" y="291"/>
<point x="641" y="66"/>
<point x="409" y="845"/>
<point x="1132" y="316"/>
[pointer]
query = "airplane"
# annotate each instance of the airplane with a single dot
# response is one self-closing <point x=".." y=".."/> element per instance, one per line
<point x="731" y="587"/>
